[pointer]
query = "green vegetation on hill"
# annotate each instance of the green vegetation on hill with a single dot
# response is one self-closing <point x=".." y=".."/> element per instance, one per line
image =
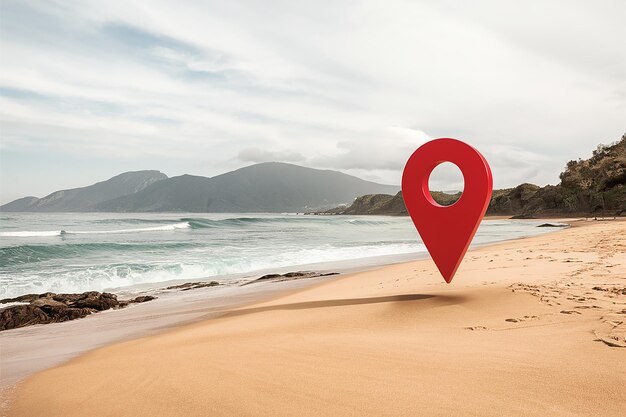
<point x="598" y="183"/>
<point x="385" y="204"/>
<point x="378" y="204"/>
<point x="594" y="186"/>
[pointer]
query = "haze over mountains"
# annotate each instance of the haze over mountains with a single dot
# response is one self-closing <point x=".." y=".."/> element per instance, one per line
<point x="270" y="187"/>
<point x="86" y="198"/>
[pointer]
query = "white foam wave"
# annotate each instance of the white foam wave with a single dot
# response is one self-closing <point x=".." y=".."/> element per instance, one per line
<point x="16" y="303"/>
<point x="181" y="225"/>
<point x="32" y="234"/>
<point x="45" y="233"/>
<point x="108" y="277"/>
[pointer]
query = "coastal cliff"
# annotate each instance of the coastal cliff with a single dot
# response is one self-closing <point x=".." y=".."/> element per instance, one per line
<point x="594" y="186"/>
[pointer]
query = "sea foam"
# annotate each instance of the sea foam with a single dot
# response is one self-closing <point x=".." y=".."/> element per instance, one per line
<point x="75" y="252"/>
<point x="46" y="233"/>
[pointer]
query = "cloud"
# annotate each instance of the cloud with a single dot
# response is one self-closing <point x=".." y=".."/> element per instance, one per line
<point x="261" y="155"/>
<point x="380" y="149"/>
<point x="202" y="87"/>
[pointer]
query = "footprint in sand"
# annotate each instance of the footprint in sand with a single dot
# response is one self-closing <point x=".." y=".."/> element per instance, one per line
<point x="476" y="328"/>
<point x="612" y="331"/>
<point x="519" y="319"/>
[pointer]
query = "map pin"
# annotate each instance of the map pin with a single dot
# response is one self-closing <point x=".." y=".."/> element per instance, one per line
<point x="447" y="230"/>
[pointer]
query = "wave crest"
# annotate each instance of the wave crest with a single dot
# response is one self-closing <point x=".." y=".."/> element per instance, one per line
<point x="47" y="233"/>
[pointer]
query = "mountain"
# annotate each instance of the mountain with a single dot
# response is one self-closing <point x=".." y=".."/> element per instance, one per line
<point x="591" y="186"/>
<point x="86" y="198"/>
<point x="594" y="186"/>
<point x="270" y="187"/>
<point x="21" y="204"/>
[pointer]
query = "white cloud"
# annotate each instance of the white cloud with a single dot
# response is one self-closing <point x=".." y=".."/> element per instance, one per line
<point x="260" y="155"/>
<point x="351" y="85"/>
<point x="383" y="149"/>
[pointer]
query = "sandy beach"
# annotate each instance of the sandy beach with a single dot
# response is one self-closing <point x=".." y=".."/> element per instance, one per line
<point x="530" y="327"/>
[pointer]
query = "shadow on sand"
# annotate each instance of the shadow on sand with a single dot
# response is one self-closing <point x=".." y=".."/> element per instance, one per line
<point x="344" y="302"/>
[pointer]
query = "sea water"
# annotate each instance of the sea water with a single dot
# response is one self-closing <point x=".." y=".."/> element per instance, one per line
<point x="76" y="252"/>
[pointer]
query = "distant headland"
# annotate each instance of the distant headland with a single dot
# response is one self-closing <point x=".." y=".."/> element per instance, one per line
<point x="588" y="187"/>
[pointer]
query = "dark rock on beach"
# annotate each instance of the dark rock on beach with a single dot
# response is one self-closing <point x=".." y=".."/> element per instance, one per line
<point x="39" y="313"/>
<point x="268" y="277"/>
<point x="291" y="276"/>
<point x="92" y="299"/>
<point x="142" y="299"/>
<point x="193" y="285"/>
<point x="54" y="308"/>
<point x="23" y="315"/>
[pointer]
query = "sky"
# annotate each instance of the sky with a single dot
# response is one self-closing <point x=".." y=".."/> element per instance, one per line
<point x="90" y="89"/>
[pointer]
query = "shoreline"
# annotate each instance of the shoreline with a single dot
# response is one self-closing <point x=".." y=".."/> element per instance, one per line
<point x="174" y="309"/>
<point x="344" y="262"/>
<point x="296" y="290"/>
<point x="22" y="354"/>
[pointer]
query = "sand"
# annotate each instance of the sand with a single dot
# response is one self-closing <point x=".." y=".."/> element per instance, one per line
<point x="531" y="327"/>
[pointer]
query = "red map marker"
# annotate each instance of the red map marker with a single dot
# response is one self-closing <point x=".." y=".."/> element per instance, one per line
<point x="447" y="230"/>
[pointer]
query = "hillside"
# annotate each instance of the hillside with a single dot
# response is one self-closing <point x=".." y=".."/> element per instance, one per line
<point x="86" y="198"/>
<point x="588" y="187"/>
<point x="393" y="205"/>
<point x="267" y="187"/>
<point x="594" y="186"/>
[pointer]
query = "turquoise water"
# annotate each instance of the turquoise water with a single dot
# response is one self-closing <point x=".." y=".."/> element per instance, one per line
<point x="73" y="252"/>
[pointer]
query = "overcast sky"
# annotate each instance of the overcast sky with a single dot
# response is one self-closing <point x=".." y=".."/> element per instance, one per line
<point x="89" y="89"/>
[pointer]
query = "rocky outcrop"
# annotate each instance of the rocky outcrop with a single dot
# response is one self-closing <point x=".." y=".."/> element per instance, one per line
<point x="22" y="315"/>
<point x="374" y="204"/>
<point x="388" y="205"/>
<point x="92" y="300"/>
<point x="54" y="308"/>
<point x="589" y="187"/>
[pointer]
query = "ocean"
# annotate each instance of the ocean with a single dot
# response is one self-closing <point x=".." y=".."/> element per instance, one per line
<point x="77" y="252"/>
